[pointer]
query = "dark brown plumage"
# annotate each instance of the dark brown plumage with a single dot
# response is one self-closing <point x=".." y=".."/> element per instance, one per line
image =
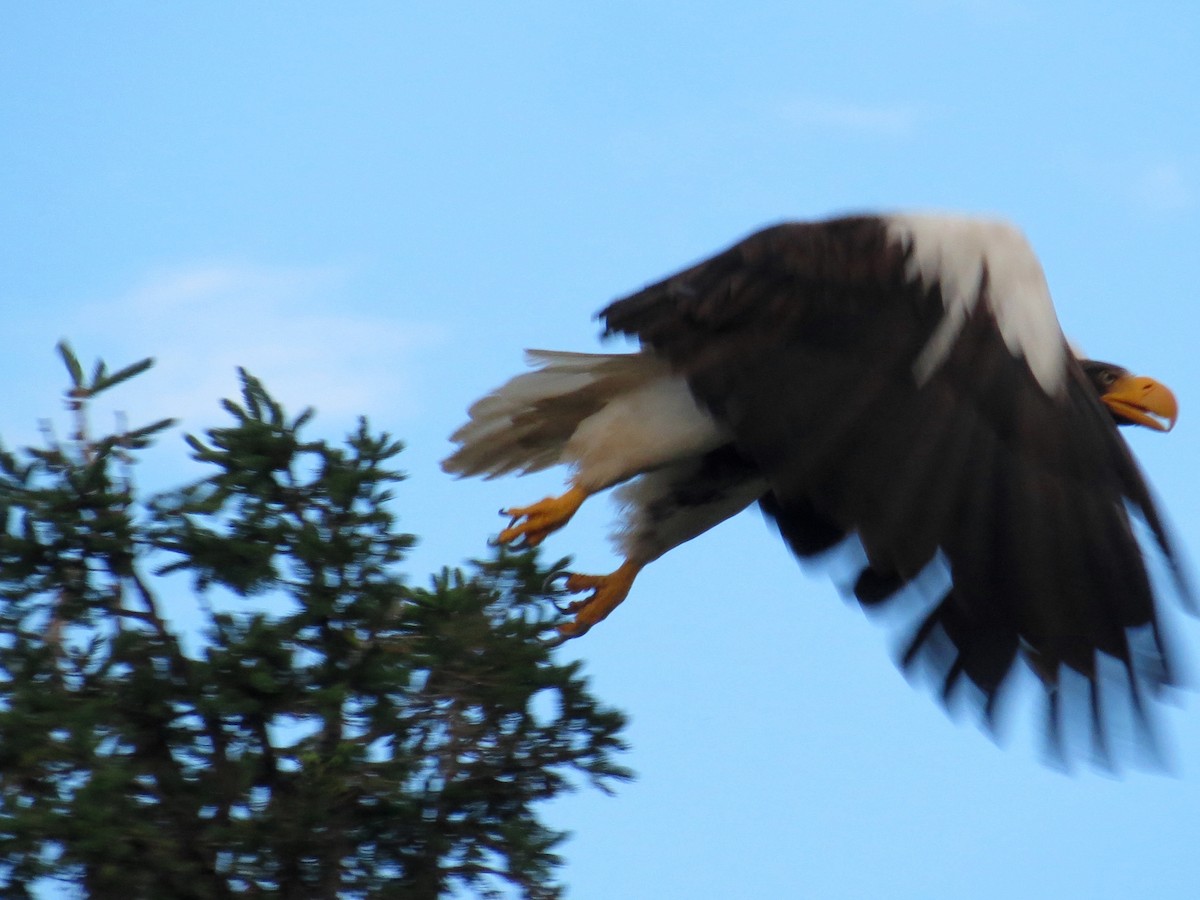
<point x="898" y="384"/>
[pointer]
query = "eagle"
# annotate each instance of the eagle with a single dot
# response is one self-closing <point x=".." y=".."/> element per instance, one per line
<point x="896" y="384"/>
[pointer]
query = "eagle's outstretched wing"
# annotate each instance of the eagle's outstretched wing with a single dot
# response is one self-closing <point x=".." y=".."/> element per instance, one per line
<point x="905" y="380"/>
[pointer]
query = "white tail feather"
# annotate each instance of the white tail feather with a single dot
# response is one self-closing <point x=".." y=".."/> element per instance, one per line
<point x="523" y="425"/>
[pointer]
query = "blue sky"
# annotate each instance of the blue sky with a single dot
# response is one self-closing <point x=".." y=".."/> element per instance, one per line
<point x="375" y="207"/>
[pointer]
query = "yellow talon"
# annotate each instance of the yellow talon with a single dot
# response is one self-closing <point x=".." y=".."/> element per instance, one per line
<point x="536" y="521"/>
<point x="607" y="593"/>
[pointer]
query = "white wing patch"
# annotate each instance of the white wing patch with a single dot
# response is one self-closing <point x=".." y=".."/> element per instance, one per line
<point x="952" y="252"/>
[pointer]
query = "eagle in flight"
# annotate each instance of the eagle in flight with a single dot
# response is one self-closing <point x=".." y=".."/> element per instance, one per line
<point x="896" y="380"/>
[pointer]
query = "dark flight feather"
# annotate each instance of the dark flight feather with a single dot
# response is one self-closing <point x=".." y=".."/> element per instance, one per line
<point x="803" y="340"/>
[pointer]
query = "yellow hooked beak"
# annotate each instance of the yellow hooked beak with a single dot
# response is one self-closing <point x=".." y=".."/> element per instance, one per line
<point x="1142" y="401"/>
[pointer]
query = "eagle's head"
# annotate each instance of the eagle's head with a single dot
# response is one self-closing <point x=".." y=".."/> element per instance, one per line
<point x="1132" y="399"/>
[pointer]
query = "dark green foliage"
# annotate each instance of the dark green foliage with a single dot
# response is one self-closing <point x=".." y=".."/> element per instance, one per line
<point x="326" y="731"/>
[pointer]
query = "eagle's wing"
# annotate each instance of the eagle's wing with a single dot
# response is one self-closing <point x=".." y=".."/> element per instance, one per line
<point x="906" y="381"/>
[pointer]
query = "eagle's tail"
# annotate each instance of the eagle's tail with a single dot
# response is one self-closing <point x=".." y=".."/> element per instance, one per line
<point x="525" y="424"/>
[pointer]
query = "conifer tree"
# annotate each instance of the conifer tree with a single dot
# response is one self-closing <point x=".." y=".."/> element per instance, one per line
<point x="327" y="730"/>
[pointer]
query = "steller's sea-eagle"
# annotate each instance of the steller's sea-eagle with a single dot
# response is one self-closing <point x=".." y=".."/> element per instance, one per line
<point x="901" y="380"/>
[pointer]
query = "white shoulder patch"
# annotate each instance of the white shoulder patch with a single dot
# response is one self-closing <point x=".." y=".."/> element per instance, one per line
<point x="952" y="252"/>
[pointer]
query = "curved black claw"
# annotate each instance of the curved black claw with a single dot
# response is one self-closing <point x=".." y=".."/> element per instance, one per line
<point x="549" y="587"/>
<point x="496" y="542"/>
<point x="555" y="636"/>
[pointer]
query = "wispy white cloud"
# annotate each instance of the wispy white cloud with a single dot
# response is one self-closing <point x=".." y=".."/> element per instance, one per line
<point x="1163" y="187"/>
<point x="293" y="327"/>
<point x="1154" y="187"/>
<point x="872" y="120"/>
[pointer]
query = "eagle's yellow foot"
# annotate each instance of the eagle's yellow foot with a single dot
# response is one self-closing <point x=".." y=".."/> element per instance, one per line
<point x="607" y="593"/>
<point x="534" y="522"/>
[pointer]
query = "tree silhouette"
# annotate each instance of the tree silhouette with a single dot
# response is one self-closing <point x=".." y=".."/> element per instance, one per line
<point x="326" y="731"/>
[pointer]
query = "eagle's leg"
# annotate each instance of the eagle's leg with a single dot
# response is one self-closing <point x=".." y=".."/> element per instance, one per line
<point x="607" y="593"/>
<point x="531" y="524"/>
